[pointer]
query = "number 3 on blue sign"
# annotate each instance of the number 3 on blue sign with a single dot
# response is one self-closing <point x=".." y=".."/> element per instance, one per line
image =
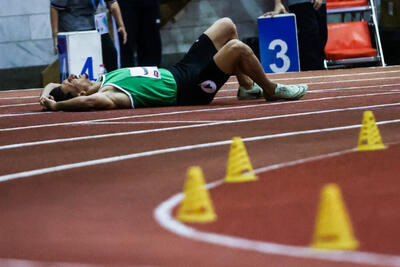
<point x="280" y="55"/>
<point x="278" y="43"/>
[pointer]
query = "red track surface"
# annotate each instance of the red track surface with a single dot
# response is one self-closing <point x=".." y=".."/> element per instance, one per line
<point x="84" y="187"/>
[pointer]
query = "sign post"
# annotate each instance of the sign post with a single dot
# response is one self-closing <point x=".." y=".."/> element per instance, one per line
<point x="279" y="50"/>
<point x="80" y="52"/>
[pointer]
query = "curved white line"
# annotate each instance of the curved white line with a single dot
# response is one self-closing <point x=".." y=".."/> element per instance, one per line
<point x="163" y="215"/>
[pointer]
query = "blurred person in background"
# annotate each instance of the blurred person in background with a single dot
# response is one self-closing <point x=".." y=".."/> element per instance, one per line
<point x="312" y="30"/>
<point x="142" y="21"/>
<point x="85" y="15"/>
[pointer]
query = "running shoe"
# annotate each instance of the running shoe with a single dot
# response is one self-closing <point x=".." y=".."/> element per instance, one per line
<point x="253" y="93"/>
<point x="288" y="92"/>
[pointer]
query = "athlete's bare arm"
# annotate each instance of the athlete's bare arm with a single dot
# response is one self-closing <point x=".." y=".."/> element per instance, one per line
<point x="47" y="89"/>
<point x="107" y="98"/>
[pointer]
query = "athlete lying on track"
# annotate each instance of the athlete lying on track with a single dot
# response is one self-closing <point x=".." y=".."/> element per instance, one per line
<point x="194" y="80"/>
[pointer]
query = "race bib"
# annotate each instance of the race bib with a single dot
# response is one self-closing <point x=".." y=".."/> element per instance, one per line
<point x="100" y="20"/>
<point x="149" y="72"/>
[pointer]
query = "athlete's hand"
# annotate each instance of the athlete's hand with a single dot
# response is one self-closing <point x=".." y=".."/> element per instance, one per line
<point x="48" y="104"/>
<point x="48" y="96"/>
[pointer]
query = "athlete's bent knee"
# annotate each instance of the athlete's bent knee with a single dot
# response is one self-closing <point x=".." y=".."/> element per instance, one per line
<point x="239" y="48"/>
<point x="228" y="26"/>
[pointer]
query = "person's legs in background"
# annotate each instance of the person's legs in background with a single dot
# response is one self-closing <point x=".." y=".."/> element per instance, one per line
<point x="129" y="15"/>
<point x="311" y="44"/>
<point x="109" y="53"/>
<point x="149" y="38"/>
<point x="323" y="26"/>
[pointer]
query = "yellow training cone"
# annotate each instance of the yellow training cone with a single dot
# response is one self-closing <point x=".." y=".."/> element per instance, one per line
<point x="239" y="168"/>
<point x="369" y="139"/>
<point x="333" y="228"/>
<point x="196" y="206"/>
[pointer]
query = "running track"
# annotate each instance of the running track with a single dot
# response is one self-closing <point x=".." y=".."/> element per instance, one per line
<point x="101" y="188"/>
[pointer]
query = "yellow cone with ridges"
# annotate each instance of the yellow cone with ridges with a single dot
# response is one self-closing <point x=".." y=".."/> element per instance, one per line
<point x="196" y="207"/>
<point x="370" y="138"/>
<point x="239" y="168"/>
<point x="333" y="229"/>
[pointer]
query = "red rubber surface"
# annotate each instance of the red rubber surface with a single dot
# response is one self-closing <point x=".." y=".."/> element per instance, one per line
<point x="103" y="212"/>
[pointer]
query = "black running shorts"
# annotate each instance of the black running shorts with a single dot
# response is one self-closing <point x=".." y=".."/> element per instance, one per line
<point x="197" y="76"/>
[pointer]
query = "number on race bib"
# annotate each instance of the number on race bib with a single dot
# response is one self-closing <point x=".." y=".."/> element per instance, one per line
<point x="281" y="54"/>
<point x="149" y="72"/>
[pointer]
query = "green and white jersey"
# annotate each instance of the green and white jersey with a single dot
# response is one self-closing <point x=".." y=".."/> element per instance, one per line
<point x="145" y="86"/>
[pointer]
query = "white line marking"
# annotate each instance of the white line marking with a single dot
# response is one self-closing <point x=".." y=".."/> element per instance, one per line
<point x="81" y="138"/>
<point x="327" y="90"/>
<point x="328" y="76"/>
<point x="340" y="81"/>
<point x="358" y="80"/>
<point x="163" y="215"/>
<point x="24" y="114"/>
<point x="19" y="105"/>
<point x="311" y="91"/>
<point x="33" y="263"/>
<point x="19" y="97"/>
<point x="151" y="122"/>
<point x="190" y="111"/>
<point x="353" y="88"/>
<point x="20" y="90"/>
<point x="41" y="171"/>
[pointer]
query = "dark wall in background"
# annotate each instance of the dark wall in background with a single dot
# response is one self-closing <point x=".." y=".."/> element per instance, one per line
<point x="21" y="78"/>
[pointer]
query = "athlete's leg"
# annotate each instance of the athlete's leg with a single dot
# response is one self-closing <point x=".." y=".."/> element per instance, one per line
<point x="237" y="58"/>
<point x="221" y="32"/>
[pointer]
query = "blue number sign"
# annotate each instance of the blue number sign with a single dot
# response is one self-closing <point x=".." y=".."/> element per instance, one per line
<point x="278" y="43"/>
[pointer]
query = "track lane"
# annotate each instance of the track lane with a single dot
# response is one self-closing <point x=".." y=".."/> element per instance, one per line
<point x="141" y="184"/>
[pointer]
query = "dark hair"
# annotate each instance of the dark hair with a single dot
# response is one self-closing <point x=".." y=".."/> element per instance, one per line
<point x="59" y="95"/>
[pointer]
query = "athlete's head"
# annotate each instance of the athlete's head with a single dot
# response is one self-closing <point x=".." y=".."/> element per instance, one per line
<point x="71" y="87"/>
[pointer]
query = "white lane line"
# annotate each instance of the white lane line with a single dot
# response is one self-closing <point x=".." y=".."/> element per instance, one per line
<point x="258" y="105"/>
<point x="64" y="167"/>
<point x="339" y="75"/>
<point x="345" y="81"/>
<point x="357" y="80"/>
<point x="151" y="122"/>
<point x="33" y="263"/>
<point x="342" y="90"/>
<point x="327" y="90"/>
<point x="163" y="215"/>
<point x="147" y="131"/>
<point x="384" y="71"/>
<point x="19" y="105"/>
<point x="228" y="90"/>
<point x="314" y="77"/>
<point x="327" y="76"/>
<point x="24" y="114"/>
<point x="20" y="90"/>
<point x="380" y="86"/>
<point x="19" y="97"/>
